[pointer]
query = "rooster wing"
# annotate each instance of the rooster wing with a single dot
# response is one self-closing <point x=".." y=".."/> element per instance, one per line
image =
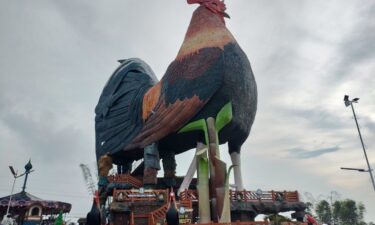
<point x="186" y="87"/>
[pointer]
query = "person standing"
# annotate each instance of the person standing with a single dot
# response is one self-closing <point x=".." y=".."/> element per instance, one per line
<point x="310" y="220"/>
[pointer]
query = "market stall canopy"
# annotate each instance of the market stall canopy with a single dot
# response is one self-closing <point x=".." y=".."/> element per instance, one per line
<point x="24" y="200"/>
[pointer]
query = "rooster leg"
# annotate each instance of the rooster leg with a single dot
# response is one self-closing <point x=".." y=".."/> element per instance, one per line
<point x="236" y="162"/>
<point x="152" y="165"/>
<point x="104" y="165"/>
<point x="169" y="166"/>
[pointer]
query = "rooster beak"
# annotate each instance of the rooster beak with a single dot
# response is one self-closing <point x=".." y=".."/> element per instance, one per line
<point x="226" y="15"/>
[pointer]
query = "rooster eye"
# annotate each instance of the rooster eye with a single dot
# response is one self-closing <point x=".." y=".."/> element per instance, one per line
<point x="214" y="3"/>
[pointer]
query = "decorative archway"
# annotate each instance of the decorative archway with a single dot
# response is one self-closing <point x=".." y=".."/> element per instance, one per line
<point x="35" y="211"/>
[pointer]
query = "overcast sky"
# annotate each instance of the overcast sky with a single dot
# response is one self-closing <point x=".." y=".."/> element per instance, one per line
<point x="55" y="57"/>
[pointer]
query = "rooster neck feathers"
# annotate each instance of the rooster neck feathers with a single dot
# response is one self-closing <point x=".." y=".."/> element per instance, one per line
<point x="206" y="30"/>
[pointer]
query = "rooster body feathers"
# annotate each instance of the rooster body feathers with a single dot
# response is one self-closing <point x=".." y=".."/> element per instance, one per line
<point x="210" y="70"/>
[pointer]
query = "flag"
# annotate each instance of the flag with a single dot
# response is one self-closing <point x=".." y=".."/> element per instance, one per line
<point x="59" y="219"/>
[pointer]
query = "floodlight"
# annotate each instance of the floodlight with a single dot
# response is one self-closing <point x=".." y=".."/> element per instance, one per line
<point x="346" y="101"/>
<point x="13" y="171"/>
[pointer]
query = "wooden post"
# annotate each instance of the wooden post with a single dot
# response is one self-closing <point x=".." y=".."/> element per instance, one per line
<point x="219" y="192"/>
<point x="212" y="153"/>
<point x="203" y="187"/>
<point x="191" y="171"/>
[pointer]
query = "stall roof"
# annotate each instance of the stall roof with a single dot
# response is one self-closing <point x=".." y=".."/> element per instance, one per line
<point x="25" y="200"/>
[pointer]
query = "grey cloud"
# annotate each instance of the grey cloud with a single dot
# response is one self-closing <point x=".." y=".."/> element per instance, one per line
<point x="317" y="117"/>
<point x="42" y="136"/>
<point x="359" y="44"/>
<point x="302" y="153"/>
<point x="367" y="123"/>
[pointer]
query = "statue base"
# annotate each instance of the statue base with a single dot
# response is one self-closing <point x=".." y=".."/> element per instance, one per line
<point x="135" y="205"/>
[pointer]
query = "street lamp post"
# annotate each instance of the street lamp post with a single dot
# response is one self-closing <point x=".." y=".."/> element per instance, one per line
<point x="14" y="181"/>
<point x="347" y="103"/>
<point x="28" y="170"/>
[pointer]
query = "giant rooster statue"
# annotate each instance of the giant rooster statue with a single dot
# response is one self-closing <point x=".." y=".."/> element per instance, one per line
<point x="137" y="116"/>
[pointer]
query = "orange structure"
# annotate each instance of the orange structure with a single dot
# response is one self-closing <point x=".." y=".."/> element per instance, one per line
<point x="139" y="206"/>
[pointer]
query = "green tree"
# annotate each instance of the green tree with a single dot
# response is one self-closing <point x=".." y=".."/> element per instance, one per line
<point x="336" y="207"/>
<point x="343" y="212"/>
<point x="323" y="211"/>
<point x="361" y="211"/>
<point x="348" y="212"/>
<point x="309" y="208"/>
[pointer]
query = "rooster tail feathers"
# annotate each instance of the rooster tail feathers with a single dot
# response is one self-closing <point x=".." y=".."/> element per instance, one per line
<point x="118" y="113"/>
<point x="140" y="65"/>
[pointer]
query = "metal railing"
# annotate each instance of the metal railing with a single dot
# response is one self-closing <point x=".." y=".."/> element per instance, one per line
<point x="249" y="196"/>
<point x="125" y="179"/>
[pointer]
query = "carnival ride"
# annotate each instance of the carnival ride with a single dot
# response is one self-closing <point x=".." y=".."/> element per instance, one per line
<point x="27" y="209"/>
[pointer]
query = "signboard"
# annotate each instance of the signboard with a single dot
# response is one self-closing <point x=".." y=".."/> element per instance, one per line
<point x="185" y="215"/>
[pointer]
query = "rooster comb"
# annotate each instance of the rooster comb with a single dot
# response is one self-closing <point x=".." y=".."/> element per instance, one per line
<point x="219" y="5"/>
